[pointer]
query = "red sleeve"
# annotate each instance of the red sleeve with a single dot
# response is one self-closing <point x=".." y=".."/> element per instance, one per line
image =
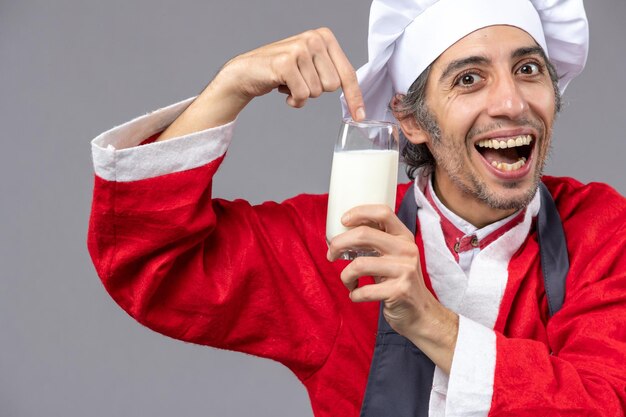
<point x="581" y="371"/>
<point x="226" y="274"/>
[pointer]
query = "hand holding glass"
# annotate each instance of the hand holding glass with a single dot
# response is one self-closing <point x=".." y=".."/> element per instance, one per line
<point x="364" y="171"/>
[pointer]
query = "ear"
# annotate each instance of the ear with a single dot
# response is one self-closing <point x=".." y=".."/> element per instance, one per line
<point x="411" y="129"/>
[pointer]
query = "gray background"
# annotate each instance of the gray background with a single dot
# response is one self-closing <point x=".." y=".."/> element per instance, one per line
<point x="70" y="69"/>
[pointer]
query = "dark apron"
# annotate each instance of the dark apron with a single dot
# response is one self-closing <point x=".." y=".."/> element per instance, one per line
<point x="401" y="376"/>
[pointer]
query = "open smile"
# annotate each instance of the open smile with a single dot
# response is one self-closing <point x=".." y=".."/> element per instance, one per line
<point x="507" y="157"/>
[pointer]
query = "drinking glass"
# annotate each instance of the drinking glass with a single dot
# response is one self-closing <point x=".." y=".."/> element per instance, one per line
<point x="364" y="171"/>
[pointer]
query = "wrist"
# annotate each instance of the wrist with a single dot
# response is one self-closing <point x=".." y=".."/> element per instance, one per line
<point x="227" y="87"/>
<point x="216" y="106"/>
<point x="436" y="334"/>
<point x="438" y="326"/>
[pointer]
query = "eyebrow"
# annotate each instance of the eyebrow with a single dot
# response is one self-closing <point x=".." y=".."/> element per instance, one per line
<point x="529" y="50"/>
<point x="482" y="60"/>
<point x="460" y="63"/>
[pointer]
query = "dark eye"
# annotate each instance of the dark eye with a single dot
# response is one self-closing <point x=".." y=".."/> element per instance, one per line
<point x="529" y="69"/>
<point x="469" y="79"/>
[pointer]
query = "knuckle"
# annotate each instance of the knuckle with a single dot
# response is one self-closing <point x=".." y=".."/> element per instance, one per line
<point x="409" y="250"/>
<point x="359" y="266"/>
<point x="408" y="236"/>
<point x="315" y="92"/>
<point x="345" y="277"/>
<point x="385" y="211"/>
<point x="381" y="214"/>
<point x="325" y="32"/>
<point x="315" y="41"/>
<point x="404" y="289"/>
<point x="332" y="84"/>
<point x="302" y="93"/>
<point x="361" y="232"/>
<point x="299" y="49"/>
<point x="308" y="34"/>
<point x="362" y="294"/>
<point x="299" y="90"/>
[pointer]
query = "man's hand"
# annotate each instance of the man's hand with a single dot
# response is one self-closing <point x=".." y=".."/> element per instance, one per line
<point x="409" y="307"/>
<point x="303" y="66"/>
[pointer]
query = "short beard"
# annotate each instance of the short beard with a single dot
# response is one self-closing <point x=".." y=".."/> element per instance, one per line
<point x="482" y="193"/>
<point x="477" y="189"/>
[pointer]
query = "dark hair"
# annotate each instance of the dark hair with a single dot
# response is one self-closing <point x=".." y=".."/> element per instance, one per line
<point x="413" y="103"/>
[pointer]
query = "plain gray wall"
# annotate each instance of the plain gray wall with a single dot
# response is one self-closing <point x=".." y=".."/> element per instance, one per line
<point x="70" y="69"/>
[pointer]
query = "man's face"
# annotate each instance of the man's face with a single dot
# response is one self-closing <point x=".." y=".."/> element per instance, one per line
<point x="493" y="99"/>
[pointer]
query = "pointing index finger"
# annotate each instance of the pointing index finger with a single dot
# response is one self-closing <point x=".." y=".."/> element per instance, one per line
<point x="347" y="75"/>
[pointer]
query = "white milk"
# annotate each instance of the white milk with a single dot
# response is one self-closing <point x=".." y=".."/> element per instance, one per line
<point x="357" y="178"/>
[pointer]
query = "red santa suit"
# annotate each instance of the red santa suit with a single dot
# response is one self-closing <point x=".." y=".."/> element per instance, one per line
<point x="255" y="279"/>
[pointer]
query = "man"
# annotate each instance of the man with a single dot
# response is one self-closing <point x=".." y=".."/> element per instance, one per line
<point x="476" y="98"/>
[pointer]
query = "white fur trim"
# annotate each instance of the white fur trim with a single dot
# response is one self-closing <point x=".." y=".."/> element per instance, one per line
<point x="446" y="276"/>
<point x="476" y="298"/>
<point x="489" y="272"/>
<point x="116" y="156"/>
<point x="439" y="394"/>
<point x="470" y="387"/>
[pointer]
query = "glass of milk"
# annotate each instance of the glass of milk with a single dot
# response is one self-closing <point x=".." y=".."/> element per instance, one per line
<point x="364" y="171"/>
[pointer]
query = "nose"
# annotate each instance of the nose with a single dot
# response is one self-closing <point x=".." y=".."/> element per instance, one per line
<point x="506" y="99"/>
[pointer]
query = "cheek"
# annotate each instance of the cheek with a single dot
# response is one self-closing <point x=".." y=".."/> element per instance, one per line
<point x="542" y="101"/>
<point x="543" y="107"/>
<point x="459" y="115"/>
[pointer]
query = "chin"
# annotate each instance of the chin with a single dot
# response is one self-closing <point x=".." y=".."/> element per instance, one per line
<point x="509" y="195"/>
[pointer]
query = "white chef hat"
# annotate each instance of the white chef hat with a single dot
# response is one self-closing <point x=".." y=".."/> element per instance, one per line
<point x="406" y="36"/>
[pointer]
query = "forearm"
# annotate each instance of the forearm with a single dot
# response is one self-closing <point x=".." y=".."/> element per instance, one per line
<point x="217" y="105"/>
<point x="436" y="335"/>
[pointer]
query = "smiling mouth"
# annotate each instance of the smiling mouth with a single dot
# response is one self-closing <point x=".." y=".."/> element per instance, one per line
<point x="506" y="154"/>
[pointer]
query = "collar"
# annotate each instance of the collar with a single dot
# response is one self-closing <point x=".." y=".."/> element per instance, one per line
<point x="459" y="235"/>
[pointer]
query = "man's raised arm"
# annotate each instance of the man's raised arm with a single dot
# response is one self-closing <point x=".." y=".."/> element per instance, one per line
<point x="186" y="264"/>
<point x="303" y="66"/>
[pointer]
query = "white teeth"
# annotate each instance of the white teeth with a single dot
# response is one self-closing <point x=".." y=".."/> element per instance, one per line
<point x="503" y="166"/>
<point x="503" y="144"/>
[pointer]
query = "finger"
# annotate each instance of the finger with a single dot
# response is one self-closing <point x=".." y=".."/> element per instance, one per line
<point x="379" y="214"/>
<point x="324" y="69"/>
<point x="310" y="75"/>
<point x="297" y="86"/>
<point x="347" y="75"/>
<point x="357" y="239"/>
<point x="352" y="272"/>
<point x="383" y="268"/>
<point x="373" y="292"/>
<point x="327" y="72"/>
<point x="367" y="238"/>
